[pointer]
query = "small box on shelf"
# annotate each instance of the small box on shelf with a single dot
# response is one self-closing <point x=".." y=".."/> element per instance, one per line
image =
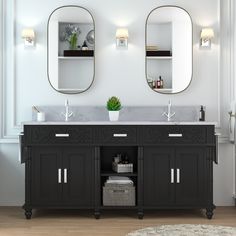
<point x="122" y="168"/>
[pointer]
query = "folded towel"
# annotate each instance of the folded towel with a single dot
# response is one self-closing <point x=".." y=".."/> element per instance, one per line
<point x="118" y="178"/>
<point x="119" y="182"/>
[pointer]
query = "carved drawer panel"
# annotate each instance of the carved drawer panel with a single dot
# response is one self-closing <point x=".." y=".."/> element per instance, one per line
<point x="58" y="134"/>
<point x="174" y="134"/>
<point x="117" y="135"/>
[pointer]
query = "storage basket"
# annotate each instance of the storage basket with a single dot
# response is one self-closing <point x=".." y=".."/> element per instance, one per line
<point x="119" y="195"/>
<point x="122" y="168"/>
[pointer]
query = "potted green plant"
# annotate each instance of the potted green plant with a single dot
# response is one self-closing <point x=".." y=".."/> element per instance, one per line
<point x="73" y="41"/>
<point x="113" y="106"/>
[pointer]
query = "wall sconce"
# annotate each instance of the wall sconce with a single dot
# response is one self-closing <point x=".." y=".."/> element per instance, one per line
<point x="122" y="36"/>
<point x="206" y="35"/>
<point x="29" y="36"/>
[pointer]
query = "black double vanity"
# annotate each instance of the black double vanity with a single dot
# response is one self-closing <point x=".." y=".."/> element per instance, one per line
<point x="66" y="165"/>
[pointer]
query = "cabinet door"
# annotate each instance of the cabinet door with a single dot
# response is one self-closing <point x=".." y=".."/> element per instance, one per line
<point x="46" y="188"/>
<point x="158" y="178"/>
<point x="190" y="185"/>
<point x="78" y="176"/>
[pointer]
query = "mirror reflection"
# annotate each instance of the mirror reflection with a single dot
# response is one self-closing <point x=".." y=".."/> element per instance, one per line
<point x="71" y="42"/>
<point x="169" y="49"/>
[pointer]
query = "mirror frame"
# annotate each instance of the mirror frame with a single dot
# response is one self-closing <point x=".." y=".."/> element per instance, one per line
<point x="191" y="78"/>
<point x="93" y="49"/>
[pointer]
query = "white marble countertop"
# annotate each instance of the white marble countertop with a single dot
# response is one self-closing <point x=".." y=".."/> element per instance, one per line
<point x="119" y="123"/>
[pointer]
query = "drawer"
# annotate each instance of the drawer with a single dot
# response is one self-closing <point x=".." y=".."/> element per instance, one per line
<point x="176" y="134"/>
<point x="116" y="135"/>
<point x="58" y="134"/>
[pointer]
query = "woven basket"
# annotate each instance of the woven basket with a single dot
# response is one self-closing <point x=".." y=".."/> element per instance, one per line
<point x="119" y="195"/>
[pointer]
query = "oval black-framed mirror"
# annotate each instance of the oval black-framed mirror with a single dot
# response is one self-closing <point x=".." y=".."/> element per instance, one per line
<point x="169" y="49"/>
<point x="70" y="59"/>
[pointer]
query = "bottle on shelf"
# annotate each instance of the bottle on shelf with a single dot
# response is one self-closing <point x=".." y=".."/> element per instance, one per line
<point x="202" y="114"/>
<point x="84" y="46"/>
<point x="153" y="84"/>
<point x="161" y="82"/>
<point x="158" y="84"/>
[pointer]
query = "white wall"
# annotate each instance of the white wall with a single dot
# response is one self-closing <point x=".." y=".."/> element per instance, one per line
<point x="120" y="73"/>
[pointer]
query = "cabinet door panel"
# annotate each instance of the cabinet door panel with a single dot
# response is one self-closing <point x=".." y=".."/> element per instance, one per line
<point x="46" y="190"/>
<point x="79" y="189"/>
<point x="158" y="189"/>
<point x="192" y="165"/>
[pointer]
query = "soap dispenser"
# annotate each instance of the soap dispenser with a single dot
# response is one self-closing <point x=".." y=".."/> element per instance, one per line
<point x="202" y="114"/>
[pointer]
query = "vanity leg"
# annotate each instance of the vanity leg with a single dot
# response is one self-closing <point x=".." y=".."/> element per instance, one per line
<point x="97" y="215"/>
<point x="209" y="212"/>
<point x="140" y="215"/>
<point x="28" y="213"/>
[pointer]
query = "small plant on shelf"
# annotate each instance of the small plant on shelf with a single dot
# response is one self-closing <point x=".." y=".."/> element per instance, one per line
<point x="114" y="106"/>
<point x="73" y="41"/>
<point x="70" y="34"/>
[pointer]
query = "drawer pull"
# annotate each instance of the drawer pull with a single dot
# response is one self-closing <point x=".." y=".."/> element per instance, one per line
<point x="59" y="176"/>
<point x="62" y="135"/>
<point x="120" y="135"/>
<point x="175" y="135"/>
<point x="65" y="176"/>
<point x="178" y="176"/>
<point x="172" y="176"/>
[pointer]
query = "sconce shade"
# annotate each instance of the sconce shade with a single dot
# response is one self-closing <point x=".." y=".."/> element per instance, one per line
<point x="28" y="33"/>
<point x="29" y="36"/>
<point x="122" y="36"/>
<point x="122" y="33"/>
<point x="207" y="33"/>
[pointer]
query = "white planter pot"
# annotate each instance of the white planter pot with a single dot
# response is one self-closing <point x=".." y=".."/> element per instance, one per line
<point x="114" y="115"/>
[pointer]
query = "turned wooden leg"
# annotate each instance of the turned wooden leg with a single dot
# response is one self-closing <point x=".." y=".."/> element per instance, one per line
<point x="97" y="215"/>
<point x="209" y="212"/>
<point x="140" y="215"/>
<point x="28" y="214"/>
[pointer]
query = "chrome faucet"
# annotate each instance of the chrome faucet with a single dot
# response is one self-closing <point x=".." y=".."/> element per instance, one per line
<point x="169" y="115"/>
<point x="67" y="114"/>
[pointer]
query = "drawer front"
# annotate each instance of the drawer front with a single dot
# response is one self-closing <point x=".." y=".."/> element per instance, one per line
<point x="40" y="134"/>
<point x="116" y="135"/>
<point x="174" y="134"/>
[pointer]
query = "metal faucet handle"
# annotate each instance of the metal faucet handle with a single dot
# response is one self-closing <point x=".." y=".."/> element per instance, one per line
<point x="70" y="114"/>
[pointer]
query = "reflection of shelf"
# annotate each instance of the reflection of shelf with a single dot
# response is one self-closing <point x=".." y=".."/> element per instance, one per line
<point x="159" y="58"/>
<point x="163" y="89"/>
<point x="71" y="90"/>
<point x="76" y="58"/>
<point x="112" y="173"/>
<point x="78" y="53"/>
<point x="158" y="53"/>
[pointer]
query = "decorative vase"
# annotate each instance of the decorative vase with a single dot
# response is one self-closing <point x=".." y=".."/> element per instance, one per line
<point x="114" y="115"/>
